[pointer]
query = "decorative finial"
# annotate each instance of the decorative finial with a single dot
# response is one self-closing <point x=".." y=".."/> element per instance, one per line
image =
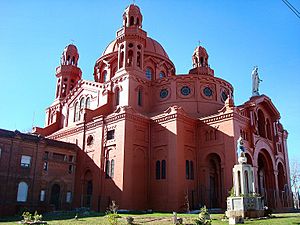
<point x="199" y="42"/>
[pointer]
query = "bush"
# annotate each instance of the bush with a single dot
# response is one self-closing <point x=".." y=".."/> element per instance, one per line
<point x="111" y="213"/>
<point x="204" y="217"/>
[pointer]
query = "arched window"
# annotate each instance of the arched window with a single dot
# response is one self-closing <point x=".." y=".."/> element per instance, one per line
<point x="104" y="76"/>
<point x="162" y="74"/>
<point x="191" y="170"/>
<point x="187" y="169"/>
<point x="268" y="126"/>
<point x="140" y="97"/>
<point x="112" y="168"/>
<point x="57" y="91"/>
<point x="247" y="182"/>
<point x="137" y="21"/>
<point x="107" y="168"/>
<point x="82" y="103"/>
<point x="138" y="59"/>
<point x="149" y="73"/>
<point x="76" y="112"/>
<point x="121" y="59"/>
<point x="261" y="124"/>
<point x="22" y="192"/>
<point x="163" y="169"/>
<point x="117" y="96"/>
<point x="131" y="21"/>
<point x="157" y="170"/>
<point x="88" y="102"/>
<point x="73" y="60"/>
<point x="130" y="57"/>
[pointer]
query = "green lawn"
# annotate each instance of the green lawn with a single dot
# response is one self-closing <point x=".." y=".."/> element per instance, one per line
<point x="154" y="219"/>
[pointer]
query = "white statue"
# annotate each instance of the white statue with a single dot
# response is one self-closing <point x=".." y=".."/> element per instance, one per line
<point x="255" y="81"/>
<point x="240" y="147"/>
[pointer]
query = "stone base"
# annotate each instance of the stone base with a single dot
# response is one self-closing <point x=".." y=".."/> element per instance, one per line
<point x="236" y="220"/>
<point x="244" y="214"/>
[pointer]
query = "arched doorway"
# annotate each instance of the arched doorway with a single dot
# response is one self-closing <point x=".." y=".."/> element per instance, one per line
<point x="214" y="181"/>
<point x="283" y="193"/>
<point x="265" y="178"/>
<point x="87" y="191"/>
<point x="55" y="196"/>
<point x="261" y="124"/>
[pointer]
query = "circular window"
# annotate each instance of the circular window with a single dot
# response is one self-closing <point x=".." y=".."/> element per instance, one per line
<point x="185" y="90"/>
<point x="224" y="96"/>
<point x="130" y="45"/>
<point x="139" y="47"/>
<point x="208" y="92"/>
<point x="163" y="93"/>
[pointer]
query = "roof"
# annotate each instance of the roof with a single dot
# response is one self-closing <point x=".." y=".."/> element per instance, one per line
<point x="36" y="138"/>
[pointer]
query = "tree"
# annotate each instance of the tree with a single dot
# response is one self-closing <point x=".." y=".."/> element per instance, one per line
<point x="295" y="183"/>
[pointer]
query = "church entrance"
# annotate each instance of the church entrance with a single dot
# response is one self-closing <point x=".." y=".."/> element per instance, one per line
<point x="265" y="178"/>
<point x="214" y="182"/>
<point x="55" y="196"/>
<point x="87" y="191"/>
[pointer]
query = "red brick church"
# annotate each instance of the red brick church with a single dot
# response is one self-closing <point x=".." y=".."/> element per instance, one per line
<point x="151" y="139"/>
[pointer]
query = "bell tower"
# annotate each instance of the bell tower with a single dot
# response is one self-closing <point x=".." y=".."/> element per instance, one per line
<point x="131" y="39"/>
<point x="200" y="62"/>
<point x="67" y="73"/>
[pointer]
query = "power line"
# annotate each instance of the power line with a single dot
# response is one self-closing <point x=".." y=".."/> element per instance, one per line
<point x="291" y="7"/>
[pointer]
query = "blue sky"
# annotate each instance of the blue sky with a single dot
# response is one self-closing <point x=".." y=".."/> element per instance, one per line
<point x="236" y="34"/>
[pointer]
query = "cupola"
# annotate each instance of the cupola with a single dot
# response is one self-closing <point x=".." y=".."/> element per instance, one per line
<point x="67" y="73"/>
<point x="200" y="62"/>
<point x="200" y="57"/>
<point x="132" y="16"/>
<point x="70" y="55"/>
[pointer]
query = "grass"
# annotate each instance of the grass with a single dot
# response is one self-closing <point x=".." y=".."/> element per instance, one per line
<point x="151" y="219"/>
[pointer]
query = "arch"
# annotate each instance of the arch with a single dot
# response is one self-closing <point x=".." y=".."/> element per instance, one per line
<point x="281" y="177"/>
<point x="104" y="76"/>
<point x="249" y="158"/>
<point x="214" y="180"/>
<point x="117" y="96"/>
<point x="261" y="124"/>
<point x="140" y="97"/>
<point x="87" y="190"/>
<point x="129" y="58"/>
<point x="76" y="112"/>
<point x="162" y="74"/>
<point x="268" y="128"/>
<point x="266" y="177"/>
<point x="121" y="59"/>
<point x="107" y="168"/>
<point x="55" y="196"/>
<point x="149" y="73"/>
<point x="137" y="22"/>
<point x="157" y="170"/>
<point x="131" y="21"/>
<point x="138" y="59"/>
<point x="259" y="145"/>
<point x="112" y="168"/>
<point x="88" y="102"/>
<point x="22" y="192"/>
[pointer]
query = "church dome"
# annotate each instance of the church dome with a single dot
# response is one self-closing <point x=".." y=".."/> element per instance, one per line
<point x="152" y="48"/>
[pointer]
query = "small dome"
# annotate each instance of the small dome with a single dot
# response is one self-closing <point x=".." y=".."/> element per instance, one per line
<point x="70" y="55"/>
<point x="132" y="9"/>
<point x="200" y="57"/>
<point x="152" y="47"/>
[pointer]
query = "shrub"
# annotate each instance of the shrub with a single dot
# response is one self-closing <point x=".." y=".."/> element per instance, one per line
<point x="204" y="217"/>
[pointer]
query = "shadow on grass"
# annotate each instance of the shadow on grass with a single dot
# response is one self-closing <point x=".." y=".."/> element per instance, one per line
<point x="58" y="216"/>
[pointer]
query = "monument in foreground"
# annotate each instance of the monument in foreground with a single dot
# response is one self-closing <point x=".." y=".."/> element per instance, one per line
<point x="243" y="202"/>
